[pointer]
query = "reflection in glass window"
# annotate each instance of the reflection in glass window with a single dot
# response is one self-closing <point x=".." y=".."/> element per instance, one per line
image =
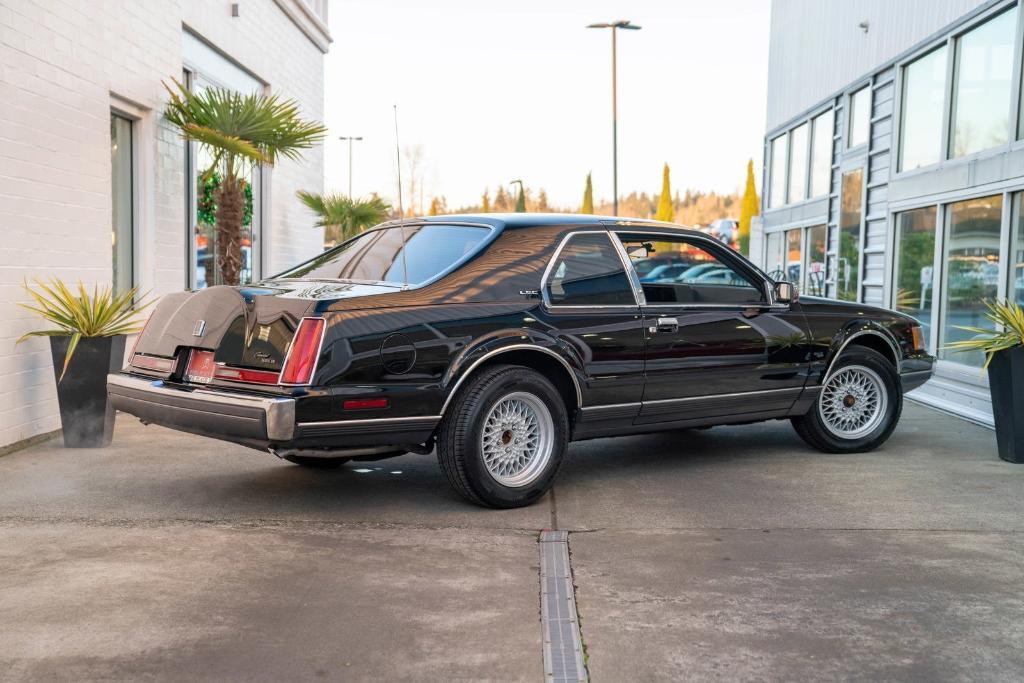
<point x="821" y="155"/>
<point x="793" y="256"/>
<point x="851" y="210"/>
<point x="859" y="117"/>
<point x="777" y="181"/>
<point x="774" y="258"/>
<point x="797" y="164"/>
<point x="122" y="233"/>
<point x="589" y="272"/>
<point x="924" y="92"/>
<point x="816" y="247"/>
<point x="377" y="255"/>
<point x="915" y="265"/>
<point x="693" y="274"/>
<point x="1016" y="290"/>
<point x="972" y="271"/>
<point x="981" y="89"/>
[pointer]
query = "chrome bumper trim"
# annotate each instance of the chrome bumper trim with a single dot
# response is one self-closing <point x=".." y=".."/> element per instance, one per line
<point x="279" y="412"/>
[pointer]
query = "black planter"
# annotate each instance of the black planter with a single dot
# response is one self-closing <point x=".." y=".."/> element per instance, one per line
<point x="1006" y="380"/>
<point x="86" y="416"/>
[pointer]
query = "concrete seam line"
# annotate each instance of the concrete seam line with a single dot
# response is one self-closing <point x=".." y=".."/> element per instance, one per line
<point x="560" y="628"/>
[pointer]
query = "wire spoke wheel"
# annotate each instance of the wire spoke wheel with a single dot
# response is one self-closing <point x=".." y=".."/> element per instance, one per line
<point x="853" y="402"/>
<point x="517" y="439"/>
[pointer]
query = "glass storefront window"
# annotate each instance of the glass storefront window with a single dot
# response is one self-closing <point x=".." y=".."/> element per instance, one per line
<point x="816" y="248"/>
<point x="972" y="271"/>
<point x="850" y="214"/>
<point x="924" y="92"/>
<point x="121" y="229"/>
<point x="777" y="181"/>
<point x="1015" y="292"/>
<point x="821" y="154"/>
<point x="915" y="265"/>
<point x="797" y="164"/>
<point x="794" y="262"/>
<point x="981" y="85"/>
<point x="774" y="258"/>
<point x="859" y="117"/>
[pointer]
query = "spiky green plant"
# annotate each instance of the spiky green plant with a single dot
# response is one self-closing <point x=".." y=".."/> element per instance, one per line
<point x="1008" y="319"/>
<point x="240" y="131"/>
<point x="342" y="216"/>
<point x="102" y="314"/>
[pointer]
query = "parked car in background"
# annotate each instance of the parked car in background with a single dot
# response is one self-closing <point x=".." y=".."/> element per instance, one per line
<point x="498" y="339"/>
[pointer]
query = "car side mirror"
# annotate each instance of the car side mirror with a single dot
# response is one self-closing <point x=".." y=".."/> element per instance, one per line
<point x="785" y="292"/>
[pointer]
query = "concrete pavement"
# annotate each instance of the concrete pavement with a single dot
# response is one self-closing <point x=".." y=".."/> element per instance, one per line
<point x="732" y="553"/>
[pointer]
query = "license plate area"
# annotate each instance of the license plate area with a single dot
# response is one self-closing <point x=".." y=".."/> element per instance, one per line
<point x="201" y="367"/>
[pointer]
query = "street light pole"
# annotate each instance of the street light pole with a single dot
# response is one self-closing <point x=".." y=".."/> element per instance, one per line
<point x="624" y="24"/>
<point x="350" y="139"/>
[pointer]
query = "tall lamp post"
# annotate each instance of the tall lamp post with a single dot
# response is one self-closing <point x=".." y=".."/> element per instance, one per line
<point x="350" y="139"/>
<point x="623" y="24"/>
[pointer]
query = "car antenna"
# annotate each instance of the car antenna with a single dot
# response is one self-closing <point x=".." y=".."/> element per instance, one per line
<point x="401" y="211"/>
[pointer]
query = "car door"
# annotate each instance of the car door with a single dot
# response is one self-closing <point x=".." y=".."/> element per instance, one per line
<point x="590" y="303"/>
<point x="715" y="342"/>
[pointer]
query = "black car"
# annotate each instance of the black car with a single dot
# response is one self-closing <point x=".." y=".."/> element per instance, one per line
<point x="498" y="339"/>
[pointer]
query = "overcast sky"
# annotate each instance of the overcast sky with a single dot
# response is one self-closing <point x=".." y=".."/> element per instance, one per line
<point x="494" y="91"/>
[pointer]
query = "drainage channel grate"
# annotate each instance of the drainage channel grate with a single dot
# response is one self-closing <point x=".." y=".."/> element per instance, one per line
<point x="563" y="647"/>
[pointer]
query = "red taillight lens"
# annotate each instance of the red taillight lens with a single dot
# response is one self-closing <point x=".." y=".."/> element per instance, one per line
<point x="301" y="361"/>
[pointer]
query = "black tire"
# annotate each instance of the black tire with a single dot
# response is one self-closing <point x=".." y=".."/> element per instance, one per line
<point x="812" y="427"/>
<point x="317" y="463"/>
<point x="459" y="444"/>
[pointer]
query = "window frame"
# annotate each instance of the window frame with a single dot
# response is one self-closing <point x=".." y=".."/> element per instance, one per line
<point x="784" y="191"/>
<point x="863" y="87"/>
<point x="802" y="192"/>
<point x="719" y="251"/>
<point x="899" y="105"/>
<point x="133" y="193"/>
<point x="812" y="140"/>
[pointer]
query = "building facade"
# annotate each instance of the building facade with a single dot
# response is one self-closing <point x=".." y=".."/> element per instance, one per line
<point x="894" y="166"/>
<point x="98" y="188"/>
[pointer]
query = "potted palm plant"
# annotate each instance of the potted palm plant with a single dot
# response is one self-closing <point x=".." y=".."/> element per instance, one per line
<point x="239" y="131"/>
<point x="344" y="217"/>
<point x="86" y="342"/>
<point x="1004" y="360"/>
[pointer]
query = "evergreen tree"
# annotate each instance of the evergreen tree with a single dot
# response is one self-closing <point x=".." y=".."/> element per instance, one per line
<point x="588" y="197"/>
<point x="435" y="207"/>
<point x="665" y="211"/>
<point x="750" y="206"/>
<point x="486" y="201"/>
<point x="501" y="200"/>
<point x="542" y="201"/>
<point x="521" y="198"/>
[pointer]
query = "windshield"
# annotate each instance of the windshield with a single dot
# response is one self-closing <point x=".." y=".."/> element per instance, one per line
<point x="377" y="256"/>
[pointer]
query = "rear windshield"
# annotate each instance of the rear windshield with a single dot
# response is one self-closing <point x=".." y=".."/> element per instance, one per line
<point x="377" y="256"/>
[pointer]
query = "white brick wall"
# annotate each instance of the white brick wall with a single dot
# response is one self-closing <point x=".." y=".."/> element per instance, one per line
<point x="63" y="65"/>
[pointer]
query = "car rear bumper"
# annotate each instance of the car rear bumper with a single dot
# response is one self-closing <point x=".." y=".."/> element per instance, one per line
<point x="248" y="419"/>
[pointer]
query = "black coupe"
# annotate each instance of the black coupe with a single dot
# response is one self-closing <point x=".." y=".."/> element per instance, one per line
<point x="498" y="339"/>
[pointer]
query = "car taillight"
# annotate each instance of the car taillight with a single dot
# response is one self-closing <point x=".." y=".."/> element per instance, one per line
<point x="135" y="343"/>
<point x="918" y="337"/>
<point x="302" y="356"/>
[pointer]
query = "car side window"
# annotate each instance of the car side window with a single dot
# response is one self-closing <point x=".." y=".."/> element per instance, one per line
<point x="680" y="271"/>
<point x="588" y="272"/>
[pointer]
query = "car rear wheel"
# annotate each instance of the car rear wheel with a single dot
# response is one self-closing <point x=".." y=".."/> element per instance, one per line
<point x="504" y="436"/>
<point x="858" y="407"/>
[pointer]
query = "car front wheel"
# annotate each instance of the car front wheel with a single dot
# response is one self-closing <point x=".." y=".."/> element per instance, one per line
<point x="858" y="407"/>
<point x="502" y="441"/>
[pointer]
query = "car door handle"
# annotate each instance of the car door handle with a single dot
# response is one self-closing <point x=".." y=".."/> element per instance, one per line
<point x="665" y="325"/>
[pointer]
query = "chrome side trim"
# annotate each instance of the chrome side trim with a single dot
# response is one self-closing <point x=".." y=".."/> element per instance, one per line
<point x="612" y="405"/>
<point x="280" y="412"/>
<point x="504" y="349"/>
<point x="382" y="421"/>
<point x="634" y="279"/>
<point x="861" y="333"/>
<point x="691" y="399"/>
<point x="554" y="259"/>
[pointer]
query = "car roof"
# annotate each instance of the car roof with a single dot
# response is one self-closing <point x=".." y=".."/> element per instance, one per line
<point x="511" y="221"/>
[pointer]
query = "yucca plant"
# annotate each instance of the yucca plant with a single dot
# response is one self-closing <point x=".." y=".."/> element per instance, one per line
<point x="1008" y="319"/>
<point x="342" y="216"/>
<point x="100" y="314"/>
<point x="240" y="131"/>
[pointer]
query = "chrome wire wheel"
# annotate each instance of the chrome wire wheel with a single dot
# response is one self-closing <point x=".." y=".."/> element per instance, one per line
<point x="853" y="402"/>
<point x="517" y="439"/>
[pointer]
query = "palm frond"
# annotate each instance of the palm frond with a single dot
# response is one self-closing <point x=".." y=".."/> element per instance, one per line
<point x="99" y="313"/>
<point x="343" y="216"/>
